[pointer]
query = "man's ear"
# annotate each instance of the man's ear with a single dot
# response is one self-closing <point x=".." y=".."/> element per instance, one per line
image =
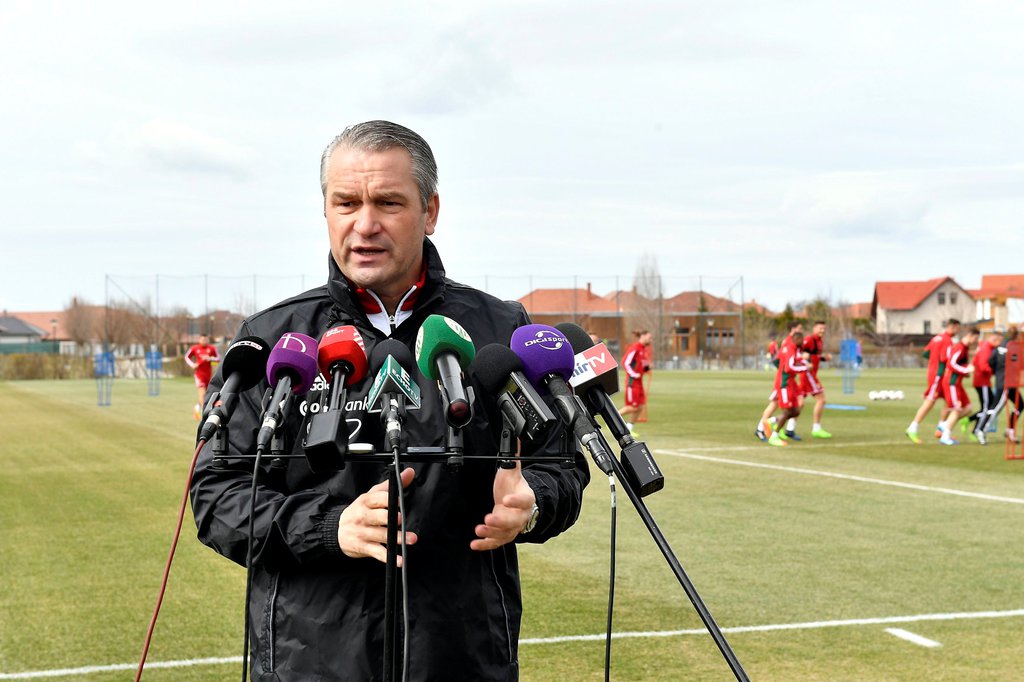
<point x="433" y="207"/>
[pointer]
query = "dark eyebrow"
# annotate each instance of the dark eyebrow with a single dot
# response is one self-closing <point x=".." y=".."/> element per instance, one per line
<point x="343" y="195"/>
<point x="390" y="195"/>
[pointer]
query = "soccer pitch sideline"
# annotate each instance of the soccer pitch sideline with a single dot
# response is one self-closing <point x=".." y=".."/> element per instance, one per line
<point x="860" y="558"/>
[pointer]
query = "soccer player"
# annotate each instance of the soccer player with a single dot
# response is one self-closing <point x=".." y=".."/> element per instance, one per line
<point x="937" y="352"/>
<point x="200" y="358"/>
<point x="952" y="385"/>
<point x="983" y="382"/>
<point x="636" y="362"/>
<point x="1004" y="394"/>
<point x="771" y="355"/>
<point x="787" y="391"/>
<point x="814" y="347"/>
<point x="764" y="428"/>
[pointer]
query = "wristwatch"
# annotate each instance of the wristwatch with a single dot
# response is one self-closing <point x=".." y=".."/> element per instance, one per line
<point x="534" y="515"/>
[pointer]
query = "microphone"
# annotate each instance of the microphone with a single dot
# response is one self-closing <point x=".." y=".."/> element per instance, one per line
<point x="392" y="388"/>
<point x="243" y="365"/>
<point x="443" y="350"/>
<point x="500" y="372"/>
<point x="291" y="369"/>
<point x="595" y="377"/>
<point x="548" y="359"/>
<point x="341" y="358"/>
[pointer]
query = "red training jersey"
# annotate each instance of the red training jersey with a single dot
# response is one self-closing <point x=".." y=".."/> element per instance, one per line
<point x="200" y="356"/>
<point x="937" y="352"/>
<point x="958" y="364"/>
<point x="982" y="372"/>
<point x="814" y="346"/>
<point x="791" y="363"/>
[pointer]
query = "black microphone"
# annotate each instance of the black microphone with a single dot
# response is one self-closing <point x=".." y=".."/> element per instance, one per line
<point x="500" y="371"/>
<point x="443" y="350"/>
<point x="595" y="377"/>
<point x="548" y="359"/>
<point x="291" y="368"/>
<point x="392" y="388"/>
<point x="244" y="364"/>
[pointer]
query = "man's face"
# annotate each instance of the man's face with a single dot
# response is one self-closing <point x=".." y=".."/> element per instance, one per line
<point x="375" y="220"/>
<point x="953" y="329"/>
<point x="204" y="339"/>
<point x="819" y="330"/>
<point x="645" y="339"/>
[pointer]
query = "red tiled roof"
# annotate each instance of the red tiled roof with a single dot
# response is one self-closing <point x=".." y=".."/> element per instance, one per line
<point x="553" y="301"/>
<point x="992" y="286"/>
<point x="44" y="321"/>
<point x="689" y="302"/>
<point x="906" y="295"/>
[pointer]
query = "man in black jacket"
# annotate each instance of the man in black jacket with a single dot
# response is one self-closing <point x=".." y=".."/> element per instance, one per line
<point x="317" y="605"/>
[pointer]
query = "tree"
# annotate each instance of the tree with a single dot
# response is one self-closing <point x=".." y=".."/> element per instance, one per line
<point x="83" y="323"/>
<point x="647" y="306"/>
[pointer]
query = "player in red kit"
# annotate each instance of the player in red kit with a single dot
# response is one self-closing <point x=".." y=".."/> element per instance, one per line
<point x="814" y="347"/>
<point x="983" y="383"/>
<point x="636" y="362"/>
<point x="766" y="424"/>
<point x="200" y="358"/>
<point x="787" y="392"/>
<point x="937" y="352"/>
<point x="952" y="384"/>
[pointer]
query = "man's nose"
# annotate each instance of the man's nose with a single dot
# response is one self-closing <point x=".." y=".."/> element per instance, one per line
<point x="367" y="220"/>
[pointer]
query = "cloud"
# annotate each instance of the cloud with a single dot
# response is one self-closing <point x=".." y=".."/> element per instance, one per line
<point x="172" y="146"/>
<point x="455" y="74"/>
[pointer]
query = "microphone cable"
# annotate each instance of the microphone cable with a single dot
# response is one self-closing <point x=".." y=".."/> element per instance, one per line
<point x="167" y="567"/>
<point x="405" y="578"/>
<point x="611" y="589"/>
<point x="248" y="563"/>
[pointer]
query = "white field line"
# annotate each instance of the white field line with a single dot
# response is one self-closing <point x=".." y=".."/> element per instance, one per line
<point x="760" y="447"/>
<point x="845" y="477"/>
<point x="93" y="669"/>
<point x="814" y="625"/>
<point x="913" y="638"/>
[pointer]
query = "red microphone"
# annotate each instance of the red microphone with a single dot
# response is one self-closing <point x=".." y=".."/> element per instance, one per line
<point x="341" y="357"/>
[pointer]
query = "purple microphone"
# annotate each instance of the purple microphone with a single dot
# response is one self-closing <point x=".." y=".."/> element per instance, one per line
<point x="548" y="361"/>
<point x="291" y="368"/>
<point x="544" y="351"/>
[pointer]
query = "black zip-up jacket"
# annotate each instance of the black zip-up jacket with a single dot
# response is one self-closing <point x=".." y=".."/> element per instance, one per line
<point x="317" y="614"/>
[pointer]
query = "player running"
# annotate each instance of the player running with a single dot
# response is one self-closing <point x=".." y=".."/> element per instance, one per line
<point x="937" y="352"/>
<point x="814" y="347"/>
<point x="200" y="358"/>
<point x="953" y="391"/>
<point x="983" y="383"/>
<point x="1004" y="394"/>
<point x="636" y="362"/>
<point x="765" y="425"/>
<point x="788" y="393"/>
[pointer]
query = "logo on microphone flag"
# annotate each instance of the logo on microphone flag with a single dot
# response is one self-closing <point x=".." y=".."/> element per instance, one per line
<point x="393" y="378"/>
<point x="592" y="363"/>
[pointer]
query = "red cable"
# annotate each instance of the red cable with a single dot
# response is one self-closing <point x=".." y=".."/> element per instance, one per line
<point x="167" y="568"/>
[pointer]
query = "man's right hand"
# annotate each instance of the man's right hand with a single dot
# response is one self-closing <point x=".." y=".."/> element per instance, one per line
<point x="363" y="526"/>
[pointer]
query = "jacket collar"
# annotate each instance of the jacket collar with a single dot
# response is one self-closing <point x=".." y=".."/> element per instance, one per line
<point x="347" y="298"/>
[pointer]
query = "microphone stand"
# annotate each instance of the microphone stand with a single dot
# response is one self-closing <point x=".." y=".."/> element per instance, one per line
<point x="392" y="666"/>
<point x="677" y="568"/>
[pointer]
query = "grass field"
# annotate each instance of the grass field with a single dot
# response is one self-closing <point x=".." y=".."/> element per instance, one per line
<point x="806" y="555"/>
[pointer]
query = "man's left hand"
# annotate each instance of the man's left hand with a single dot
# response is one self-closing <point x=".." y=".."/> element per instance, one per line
<point x="513" y="502"/>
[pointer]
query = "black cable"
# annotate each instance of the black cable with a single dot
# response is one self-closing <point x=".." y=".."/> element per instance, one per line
<point x="248" y="563"/>
<point x="611" y="591"/>
<point x="405" y="579"/>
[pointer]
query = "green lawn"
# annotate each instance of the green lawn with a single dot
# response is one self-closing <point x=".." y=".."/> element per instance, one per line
<point x="89" y="496"/>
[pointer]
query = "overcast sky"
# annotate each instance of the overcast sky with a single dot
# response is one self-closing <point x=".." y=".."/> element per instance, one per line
<point x="810" y="148"/>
